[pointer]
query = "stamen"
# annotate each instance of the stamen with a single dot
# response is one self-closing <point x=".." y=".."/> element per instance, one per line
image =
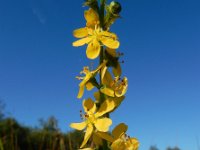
<point x="86" y="115"/>
<point x="79" y="78"/>
<point x="81" y="115"/>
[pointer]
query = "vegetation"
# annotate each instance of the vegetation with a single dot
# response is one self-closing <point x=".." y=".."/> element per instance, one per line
<point x="14" y="136"/>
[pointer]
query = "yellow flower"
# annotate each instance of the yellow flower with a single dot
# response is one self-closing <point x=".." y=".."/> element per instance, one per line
<point x="86" y="79"/>
<point x="122" y="141"/>
<point x="93" y="119"/>
<point x="114" y="87"/>
<point x="94" y="36"/>
<point x="116" y="100"/>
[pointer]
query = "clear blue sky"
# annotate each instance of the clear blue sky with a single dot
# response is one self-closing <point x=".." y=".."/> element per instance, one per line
<point x="161" y="42"/>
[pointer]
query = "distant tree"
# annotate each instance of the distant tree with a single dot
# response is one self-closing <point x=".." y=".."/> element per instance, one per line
<point x="175" y="148"/>
<point x="13" y="135"/>
<point x="50" y="125"/>
<point x="153" y="148"/>
<point x="2" y="106"/>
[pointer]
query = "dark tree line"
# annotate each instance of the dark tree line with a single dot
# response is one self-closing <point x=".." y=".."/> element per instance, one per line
<point x="168" y="148"/>
<point x="14" y="136"/>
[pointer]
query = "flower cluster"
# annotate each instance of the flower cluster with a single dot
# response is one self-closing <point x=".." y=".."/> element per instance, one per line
<point x="111" y="87"/>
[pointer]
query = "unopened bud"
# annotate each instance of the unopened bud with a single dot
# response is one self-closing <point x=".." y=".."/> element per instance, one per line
<point x="115" y="7"/>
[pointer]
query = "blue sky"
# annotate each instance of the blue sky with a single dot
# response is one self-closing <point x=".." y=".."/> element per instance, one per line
<point x="160" y="40"/>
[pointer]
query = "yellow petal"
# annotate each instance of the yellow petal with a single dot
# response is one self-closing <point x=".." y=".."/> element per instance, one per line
<point x="88" y="134"/>
<point x="93" y="49"/>
<point x="107" y="79"/>
<point x="97" y="95"/>
<point x="112" y="52"/>
<point x="82" y="41"/>
<point x="107" y="91"/>
<point x="89" y="105"/>
<point x="107" y="106"/>
<point x="106" y="136"/>
<point x="86" y="79"/>
<point x="103" y="124"/>
<point x="110" y="42"/>
<point x="80" y="33"/>
<point x="89" y="86"/>
<point x="117" y="70"/>
<point x="103" y="71"/>
<point x="91" y="17"/>
<point x="87" y="149"/>
<point x="109" y="34"/>
<point x="122" y="91"/>
<point x="97" y="140"/>
<point x="81" y="91"/>
<point x="78" y="126"/>
<point x="118" y="145"/>
<point x="118" y="100"/>
<point x="119" y="130"/>
<point x="133" y="144"/>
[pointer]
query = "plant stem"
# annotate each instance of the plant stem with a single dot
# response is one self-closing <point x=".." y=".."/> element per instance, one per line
<point x="101" y="12"/>
<point x="101" y="58"/>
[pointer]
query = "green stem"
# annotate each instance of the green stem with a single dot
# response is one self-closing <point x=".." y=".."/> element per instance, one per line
<point x="101" y="12"/>
<point x="101" y="58"/>
<point x="101" y="16"/>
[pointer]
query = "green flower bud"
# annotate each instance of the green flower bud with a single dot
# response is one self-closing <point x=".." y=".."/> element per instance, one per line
<point x="115" y="7"/>
<point x="112" y="14"/>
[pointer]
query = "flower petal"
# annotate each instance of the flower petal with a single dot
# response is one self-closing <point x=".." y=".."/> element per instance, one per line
<point x="91" y="17"/>
<point x="119" y="130"/>
<point x="109" y="34"/>
<point x="89" y="86"/>
<point x="103" y="124"/>
<point x="122" y="91"/>
<point x="78" y="126"/>
<point x="81" y="91"/>
<point x="118" y="100"/>
<point x="80" y="33"/>
<point x="112" y="52"/>
<point x="110" y="42"/>
<point x="107" y="79"/>
<point x="88" y="134"/>
<point x="106" y="136"/>
<point x="97" y="139"/>
<point x="87" y="149"/>
<point x="107" y="106"/>
<point x="118" y="144"/>
<point x="103" y="71"/>
<point x="89" y="105"/>
<point x="93" y="49"/>
<point x="117" y="71"/>
<point x="97" y="96"/>
<point x="82" y="41"/>
<point x="133" y="144"/>
<point x="86" y="79"/>
<point x="107" y="91"/>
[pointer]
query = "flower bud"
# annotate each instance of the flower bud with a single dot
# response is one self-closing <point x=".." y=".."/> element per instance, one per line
<point x="115" y="7"/>
<point x="112" y="14"/>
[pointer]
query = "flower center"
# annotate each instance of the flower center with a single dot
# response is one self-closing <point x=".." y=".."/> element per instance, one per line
<point x="118" y="84"/>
